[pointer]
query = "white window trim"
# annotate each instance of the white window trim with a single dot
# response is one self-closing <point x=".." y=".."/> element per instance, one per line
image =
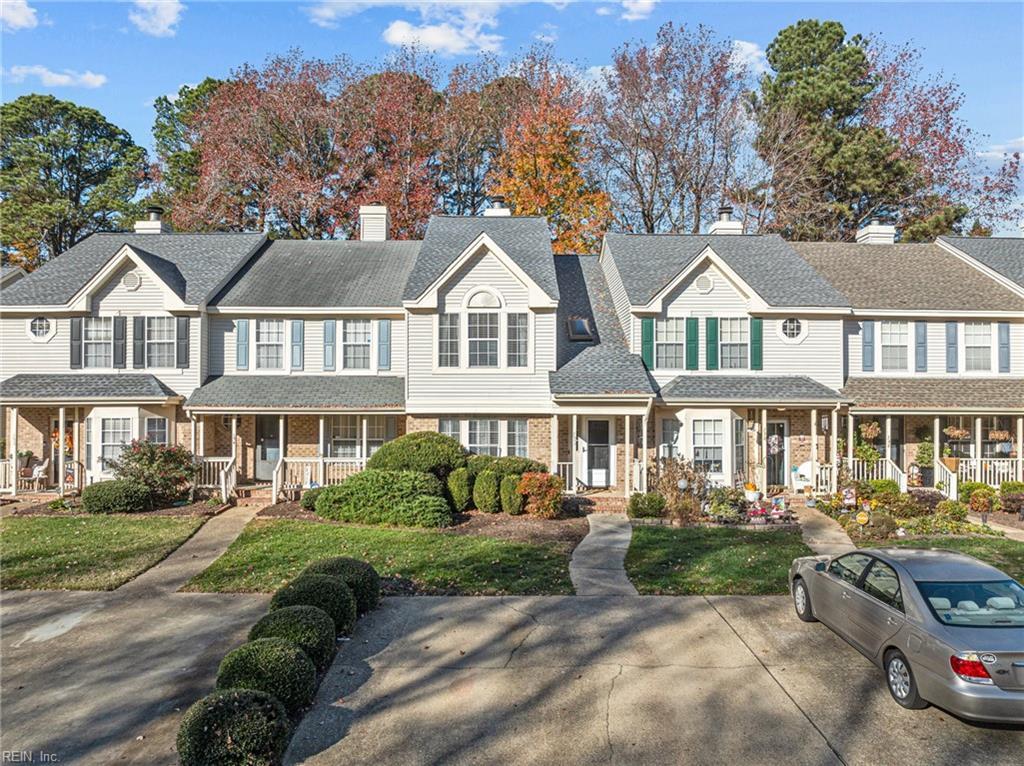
<point x="339" y="338"/>
<point x="880" y="368"/>
<point x="799" y="338"/>
<point x="167" y="428"/>
<point x="463" y="430"/>
<point x="463" y="310"/>
<point x="45" y="338"/>
<point x="722" y="343"/>
<point x="173" y="342"/>
<point x="657" y="343"/>
<point x="255" y="345"/>
<point x="993" y="349"/>
<point x="85" y="342"/>
<point x="726" y="441"/>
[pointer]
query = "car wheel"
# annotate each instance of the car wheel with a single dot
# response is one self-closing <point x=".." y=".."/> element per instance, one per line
<point x="900" y="680"/>
<point x="802" y="601"/>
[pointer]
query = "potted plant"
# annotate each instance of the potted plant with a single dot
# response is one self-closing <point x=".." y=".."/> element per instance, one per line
<point x="750" y="493"/>
<point x="24" y="457"/>
<point x="925" y="462"/>
<point x="955" y="433"/>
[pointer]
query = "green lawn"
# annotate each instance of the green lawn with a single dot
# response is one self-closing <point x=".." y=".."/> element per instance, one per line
<point x="709" y="561"/>
<point x="86" y="552"/>
<point x="269" y="552"/>
<point x="1000" y="552"/>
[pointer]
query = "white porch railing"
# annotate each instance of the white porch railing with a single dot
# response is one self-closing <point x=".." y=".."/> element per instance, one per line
<point x="337" y="469"/>
<point x="991" y="471"/>
<point x="894" y="473"/>
<point x="639" y="480"/>
<point x="861" y="470"/>
<point x="228" y="480"/>
<point x="567" y="474"/>
<point x="7" y="474"/>
<point x="210" y="470"/>
<point x="823" y="478"/>
<point x="305" y="472"/>
<point x="277" y="479"/>
<point x="946" y="481"/>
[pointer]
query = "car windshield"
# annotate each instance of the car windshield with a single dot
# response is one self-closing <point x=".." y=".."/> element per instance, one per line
<point x="997" y="604"/>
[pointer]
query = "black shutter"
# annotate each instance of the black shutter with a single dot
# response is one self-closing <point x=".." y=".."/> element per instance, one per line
<point x="183" y="342"/>
<point x="120" y="334"/>
<point x="76" y="343"/>
<point x="139" y="342"/>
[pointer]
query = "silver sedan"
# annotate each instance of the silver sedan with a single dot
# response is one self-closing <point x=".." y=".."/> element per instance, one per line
<point x="946" y="628"/>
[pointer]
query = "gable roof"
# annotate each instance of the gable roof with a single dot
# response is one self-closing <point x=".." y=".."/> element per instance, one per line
<point x="525" y="239"/>
<point x="647" y="263"/>
<point x="603" y="366"/>
<point x="1004" y="255"/>
<point x="345" y="273"/>
<point x="133" y="386"/>
<point x="193" y="264"/>
<point x="906" y="276"/>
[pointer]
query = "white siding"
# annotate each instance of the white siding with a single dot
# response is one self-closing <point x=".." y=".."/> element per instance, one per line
<point x="619" y="298"/>
<point x="114" y="298"/>
<point x="483" y="271"/>
<point x="19" y="353"/>
<point x="818" y="356"/>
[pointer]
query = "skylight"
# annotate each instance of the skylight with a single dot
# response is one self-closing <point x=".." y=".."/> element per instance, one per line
<point x="579" y="329"/>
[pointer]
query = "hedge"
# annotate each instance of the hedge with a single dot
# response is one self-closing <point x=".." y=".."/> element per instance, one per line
<point x="308" y="627"/>
<point x="308" y="499"/>
<point x="884" y="485"/>
<point x="511" y="501"/>
<point x="645" y="505"/>
<point x="359" y="576"/>
<point x="423" y="451"/>
<point x="503" y="466"/>
<point x="234" y="727"/>
<point x="383" y="497"/>
<point x="967" y="488"/>
<point x="115" y="497"/>
<point x="485" y="492"/>
<point x="460" y="488"/>
<point x="1011" y="487"/>
<point x="324" y="592"/>
<point x="271" y="665"/>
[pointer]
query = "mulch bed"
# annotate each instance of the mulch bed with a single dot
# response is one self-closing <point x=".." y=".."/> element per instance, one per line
<point x="193" y="509"/>
<point x="289" y="509"/>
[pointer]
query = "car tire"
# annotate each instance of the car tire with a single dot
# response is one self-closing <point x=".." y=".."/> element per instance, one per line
<point x="899" y="679"/>
<point x="802" y="601"/>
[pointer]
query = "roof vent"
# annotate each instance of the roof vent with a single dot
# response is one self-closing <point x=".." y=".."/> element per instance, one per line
<point x="725" y="224"/>
<point x="374" y="222"/>
<point x="497" y="208"/>
<point x="153" y="224"/>
<point x="875" y="233"/>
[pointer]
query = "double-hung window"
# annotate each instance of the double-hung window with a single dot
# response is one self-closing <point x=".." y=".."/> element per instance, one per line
<point x="160" y="341"/>
<point x="343" y="437"/>
<point x="518" y="340"/>
<point x="707" y="445"/>
<point x="98" y="341"/>
<point x="269" y="344"/>
<point x="517" y="438"/>
<point x="448" y="340"/>
<point x="355" y="344"/>
<point x="669" y="346"/>
<point x="449" y="427"/>
<point x="670" y="437"/>
<point x="734" y="343"/>
<point x="484" y="437"/>
<point x="115" y="433"/>
<point x="894" y="345"/>
<point x="482" y="333"/>
<point x="977" y="347"/>
<point x="376" y="432"/>
<point x="156" y="430"/>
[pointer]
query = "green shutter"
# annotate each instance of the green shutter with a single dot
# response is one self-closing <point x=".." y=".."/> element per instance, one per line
<point x="692" y="339"/>
<point x="711" y="349"/>
<point x="647" y="341"/>
<point x="756" y="343"/>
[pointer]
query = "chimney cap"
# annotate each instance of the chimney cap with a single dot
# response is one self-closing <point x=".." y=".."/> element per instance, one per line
<point x="724" y="212"/>
<point x="154" y="212"/>
<point x="497" y="208"/>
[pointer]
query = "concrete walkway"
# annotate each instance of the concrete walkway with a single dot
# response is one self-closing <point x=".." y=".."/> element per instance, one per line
<point x="597" y="567"/>
<point x="1011" y="532"/>
<point x="822" y="533"/>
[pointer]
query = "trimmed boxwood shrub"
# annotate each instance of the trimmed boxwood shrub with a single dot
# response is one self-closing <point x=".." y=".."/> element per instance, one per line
<point x="359" y="576"/>
<point x="503" y="466"/>
<point x="460" y="488"/>
<point x="967" y="488"/>
<point x="644" y="506"/>
<point x="308" y="627"/>
<point x="234" y="726"/>
<point x="385" y="497"/>
<point x="271" y="665"/>
<point x="115" y="497"/>
<point x="308" y="499"/>
<point x="324" y="592"/>
<point x="485" y="492"/>
<point x="884" y="485"/>
<point x="511" y="501"/>
<point x="427" y="511"/>
<point x="423" y="451"/>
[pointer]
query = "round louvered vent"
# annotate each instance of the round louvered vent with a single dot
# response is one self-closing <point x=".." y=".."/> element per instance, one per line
<point x="131" y="281"/>
<point x="704" y="283"/>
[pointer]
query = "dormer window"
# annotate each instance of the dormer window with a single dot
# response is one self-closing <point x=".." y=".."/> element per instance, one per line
<point x="579" y="329"/>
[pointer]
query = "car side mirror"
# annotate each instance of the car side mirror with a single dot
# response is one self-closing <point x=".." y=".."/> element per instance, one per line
<point x="821" y="566"/>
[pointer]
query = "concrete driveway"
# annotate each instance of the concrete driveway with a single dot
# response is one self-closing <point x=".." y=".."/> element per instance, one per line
<point x="644" y="680"/>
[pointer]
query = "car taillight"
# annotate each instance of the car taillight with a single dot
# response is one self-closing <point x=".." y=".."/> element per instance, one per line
<point x="969" y="667"/>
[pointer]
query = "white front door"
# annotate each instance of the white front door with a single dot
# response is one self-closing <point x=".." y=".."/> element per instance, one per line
<point x="599" y="453"/>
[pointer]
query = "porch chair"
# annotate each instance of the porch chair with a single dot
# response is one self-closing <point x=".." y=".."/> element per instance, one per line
<point x="39" y="475"/>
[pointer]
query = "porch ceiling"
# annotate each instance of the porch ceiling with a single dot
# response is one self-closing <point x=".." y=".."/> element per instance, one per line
<point x="918" y="393"/>
<point x="84" y="389"/>
<point x="754" y="390"/>
<point x="299" y="393"/>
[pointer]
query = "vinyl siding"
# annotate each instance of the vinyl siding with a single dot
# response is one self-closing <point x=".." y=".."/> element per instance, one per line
<point x="619" y="297"/>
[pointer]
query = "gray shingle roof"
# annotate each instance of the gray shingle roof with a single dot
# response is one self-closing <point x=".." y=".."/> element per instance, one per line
<point x="648" y="262"/>
<point x="905" y="276"/>
<point x="603" y="366"/>
<point x="129" y="386"/>
<point x="526" y="240"/>
<point x="324" y="273"/>
<point x="196" y="264"/>
<point x="748" y="388"/>
<point x="1004" y="255"/>
<point x="945" y="393"/>
<point x="328" y="392"/>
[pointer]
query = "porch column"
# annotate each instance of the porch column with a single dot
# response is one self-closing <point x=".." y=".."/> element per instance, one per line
<point x="1020" y="448"/>
<point x="814" y="450"/>
<point x="572" y="450"/>
<point x="14" y="451"/>
<point x="977" y="446"/>
<point x="76" y="458"/>
<point x="193" y="436"/>
<point x="849" y="438"/>
<point x="202" y="434"/>
<point x="282" y="437"/>
<point x="234" y="437"/>
<point x="764" y="450"/>
<point x="834" y="450"/>
<point x="643" y="456"/>
<point x="936" y="451"/>
<point x="554" y="444"/>
<point x="320" y="452"/>
<point x="888" y="436"/>
<point x="61" y="455"/>
<point x="363" y="420"/>
<point x="628" y="462"/>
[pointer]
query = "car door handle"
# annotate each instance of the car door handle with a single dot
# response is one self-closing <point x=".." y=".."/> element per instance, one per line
<point x="892" y="621"/>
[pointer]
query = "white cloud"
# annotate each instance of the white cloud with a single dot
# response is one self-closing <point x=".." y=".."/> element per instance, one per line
<point x="158" y="18"/>
<point x="998" y="151"/>
<point x="548" y="33"/>
<point x="604" y="10"/>
<point x="67" y="78"/>
<point x="17" y="14"/>
<point x="749" y="55"/>
<point x="637" y="10"/>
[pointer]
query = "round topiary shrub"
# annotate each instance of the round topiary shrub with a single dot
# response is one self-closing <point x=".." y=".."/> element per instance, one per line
<point x="308" y="499"/>
<point x="423" y="451"/>
<point x="233" y="726"/>
<point x="324" y="592"/>
<point x="358" y="575"/>
<point x="485" y="492"/>
<point x="511" y="501"/>
<point x="460" y="488"/>
<point x="271" y="665"/>
<point x="308" y="627"/>
<point x="115" y="497"/>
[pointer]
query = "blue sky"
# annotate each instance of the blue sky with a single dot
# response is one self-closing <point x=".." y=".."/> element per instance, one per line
<point x="118" y="56"/>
